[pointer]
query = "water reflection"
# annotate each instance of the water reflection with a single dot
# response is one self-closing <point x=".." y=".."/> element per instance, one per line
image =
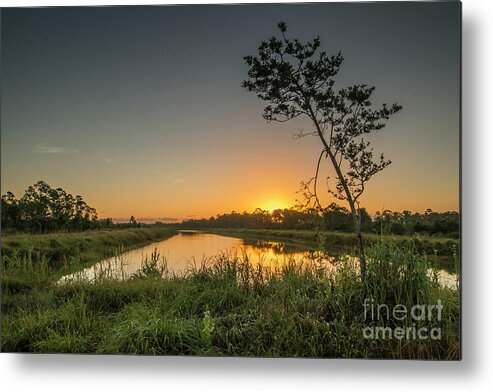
<point x="278" y="248"/>
<point x="192" y="247"/>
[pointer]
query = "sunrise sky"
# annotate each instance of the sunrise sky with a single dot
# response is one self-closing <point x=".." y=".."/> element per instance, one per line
<point x="140" y="109"/>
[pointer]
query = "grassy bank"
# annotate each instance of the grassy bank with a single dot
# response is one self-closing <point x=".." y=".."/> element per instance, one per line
<point x="82" y="247"/>
<point x="331" y="240"/>
<point x="229" y="307"/>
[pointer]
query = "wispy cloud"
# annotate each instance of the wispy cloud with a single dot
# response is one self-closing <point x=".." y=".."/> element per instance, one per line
<point x="109" y="161"/>
<point x="44" y="148"/>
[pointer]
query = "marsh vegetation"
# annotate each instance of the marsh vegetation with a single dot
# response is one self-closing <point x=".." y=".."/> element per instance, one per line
<point x="224" y="305"/>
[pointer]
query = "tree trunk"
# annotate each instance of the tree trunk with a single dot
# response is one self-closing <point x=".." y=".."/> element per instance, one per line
<point x="362" y="259"/>
<point x="359" y="242"/>
<point x="349" y="197"/>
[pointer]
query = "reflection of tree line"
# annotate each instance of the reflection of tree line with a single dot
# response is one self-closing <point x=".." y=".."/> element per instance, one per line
<point x="280" y="248"/>
<point x="283" y="248"/>
<point x="190" y="233"/>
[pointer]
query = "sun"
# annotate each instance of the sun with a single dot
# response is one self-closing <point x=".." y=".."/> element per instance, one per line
<point x="274" y="204"/>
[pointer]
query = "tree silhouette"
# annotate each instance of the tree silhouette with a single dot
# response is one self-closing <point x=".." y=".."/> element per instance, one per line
<point x="43" y="209"/>
<point x="297" y="79"/>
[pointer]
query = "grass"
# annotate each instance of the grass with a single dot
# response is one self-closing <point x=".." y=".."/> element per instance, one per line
<point x="227" y="307"/>
<point x="82" y="248"/>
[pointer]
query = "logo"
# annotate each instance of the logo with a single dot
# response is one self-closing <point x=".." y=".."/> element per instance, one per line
<point x="402" y="322"/>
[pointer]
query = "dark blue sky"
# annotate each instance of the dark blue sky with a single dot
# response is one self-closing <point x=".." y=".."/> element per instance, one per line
<point x="145" y="103"/>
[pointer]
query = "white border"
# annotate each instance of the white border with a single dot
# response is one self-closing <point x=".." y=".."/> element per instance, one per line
<point x="91" y="373"/>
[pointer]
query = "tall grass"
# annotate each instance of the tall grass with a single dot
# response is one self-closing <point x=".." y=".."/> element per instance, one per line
<point x="82" y="248"/>
<point x="228" y="306"/>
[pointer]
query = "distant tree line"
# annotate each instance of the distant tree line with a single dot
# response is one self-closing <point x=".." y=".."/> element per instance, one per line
<point x="43" y="209"/>
<point x="336" y="218"/>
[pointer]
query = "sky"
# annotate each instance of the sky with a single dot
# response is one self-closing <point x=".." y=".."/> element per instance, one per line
<point x="140" y="109"/>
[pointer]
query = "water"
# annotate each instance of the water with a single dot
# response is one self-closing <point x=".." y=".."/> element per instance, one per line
<point x="191" y="247"/>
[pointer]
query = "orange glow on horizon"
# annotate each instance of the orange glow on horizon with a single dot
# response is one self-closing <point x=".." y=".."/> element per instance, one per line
<point x="274" y="204"/>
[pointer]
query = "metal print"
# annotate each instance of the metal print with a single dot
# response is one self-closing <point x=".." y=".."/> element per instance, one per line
<point x="275" y="180"/>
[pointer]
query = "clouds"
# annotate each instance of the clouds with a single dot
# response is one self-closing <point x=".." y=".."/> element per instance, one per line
<point x="44" y="148"/>
<point x="105" y="158"/>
